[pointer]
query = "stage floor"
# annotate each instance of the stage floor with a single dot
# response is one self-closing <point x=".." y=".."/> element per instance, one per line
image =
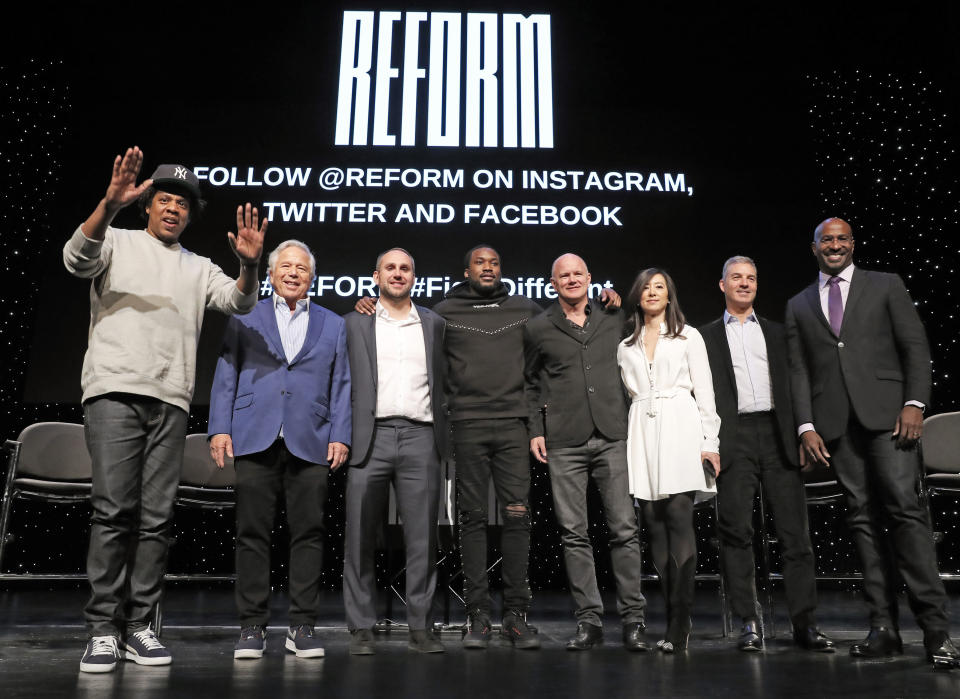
<point x="42" y="638"/>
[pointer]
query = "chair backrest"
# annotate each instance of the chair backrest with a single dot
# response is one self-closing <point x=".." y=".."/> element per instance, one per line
<point x="200" y="470"/>
<point x="941" y="443"/>
<point x="55" y="451"/>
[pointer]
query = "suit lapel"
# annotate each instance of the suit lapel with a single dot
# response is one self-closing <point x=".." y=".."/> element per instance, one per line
<point x="812" y="295"/>
<point x="268" y="321"/>
<point x="369" y="335"/>
<point x="858" y="284"/>
<point x="557" y="317"/>
<point x="720" y="337"/>
<point x="314" y="330"/>
<point x="426" y="325"/>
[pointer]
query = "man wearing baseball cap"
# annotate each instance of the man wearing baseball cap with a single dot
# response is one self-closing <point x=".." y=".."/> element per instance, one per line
<point x="147" y="300"/>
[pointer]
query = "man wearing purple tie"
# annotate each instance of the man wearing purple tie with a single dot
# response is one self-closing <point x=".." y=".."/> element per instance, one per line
<point x="860" y="377"/>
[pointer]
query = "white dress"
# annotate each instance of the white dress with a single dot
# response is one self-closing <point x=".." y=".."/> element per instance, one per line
<point x="673" y="416"/>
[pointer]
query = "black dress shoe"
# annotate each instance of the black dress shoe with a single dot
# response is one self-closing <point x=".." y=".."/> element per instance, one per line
<point x="940" y="650"/>
<point x="587" y="636"/>
<point x="811" y="638"/>
<point x="750" y="640"/>
<point x="634" y="637"/>
<point x="881" y="641"/>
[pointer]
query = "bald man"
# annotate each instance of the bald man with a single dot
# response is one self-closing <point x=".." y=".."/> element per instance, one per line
<point x="578" y="427"/>
<point x="860" y="379"/>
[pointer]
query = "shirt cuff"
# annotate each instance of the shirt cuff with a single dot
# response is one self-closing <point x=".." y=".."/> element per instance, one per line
<point x="805" y="427"/>
<point x="915" y="403"/>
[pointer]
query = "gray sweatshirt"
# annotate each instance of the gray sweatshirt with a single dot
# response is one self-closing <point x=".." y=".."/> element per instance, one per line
<point x="147" y="301"/>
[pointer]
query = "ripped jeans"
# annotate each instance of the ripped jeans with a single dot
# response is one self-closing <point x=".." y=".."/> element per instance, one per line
<point x="483" y="449"/>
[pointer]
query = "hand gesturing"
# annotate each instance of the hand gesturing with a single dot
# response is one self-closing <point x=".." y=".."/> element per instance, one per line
<point x="123" y="188"/>
<point x="247" y="244"/>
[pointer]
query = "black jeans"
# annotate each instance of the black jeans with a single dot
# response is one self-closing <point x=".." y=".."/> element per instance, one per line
<point x="136" y="448"/>
<point x="260" y="479"/>
<point x="755" y="457"/>
<point x="496" y="448"/>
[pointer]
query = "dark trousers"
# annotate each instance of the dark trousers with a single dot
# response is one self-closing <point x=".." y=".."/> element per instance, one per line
<point x="604" y="461"/>
<point x="754" y="458"/>
<point x="890" y="527"/>
<point x="405" y="454"/>
<point x="484" y="449"/>
<point x="136" y="448"/>
<point x="261" y="477"/>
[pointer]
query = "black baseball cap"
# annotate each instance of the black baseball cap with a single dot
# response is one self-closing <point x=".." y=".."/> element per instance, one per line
<point x="176" y="175"/>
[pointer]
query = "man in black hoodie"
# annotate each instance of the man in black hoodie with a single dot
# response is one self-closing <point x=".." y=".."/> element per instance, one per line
<point x="484" y="349"/>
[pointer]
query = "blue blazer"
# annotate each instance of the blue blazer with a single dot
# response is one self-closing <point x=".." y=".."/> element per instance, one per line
<point x="255" y="390"/>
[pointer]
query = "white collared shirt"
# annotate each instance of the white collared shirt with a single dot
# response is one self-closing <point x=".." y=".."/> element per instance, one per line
<point x="751" y="369"/>
<point x="292" y="326"/>
<point x="845" y="276"/>
<point x="403" y="389"/>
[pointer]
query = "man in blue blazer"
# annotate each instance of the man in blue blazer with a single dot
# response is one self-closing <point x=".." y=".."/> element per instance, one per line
<point x="280" y="404"/>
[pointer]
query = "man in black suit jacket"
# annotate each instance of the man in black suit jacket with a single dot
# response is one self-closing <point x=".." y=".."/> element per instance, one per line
<point x="860" y="375"/>
<point x="399" y="436"/>
<point x="571" y="373"/>
<point x="758" y="444"/>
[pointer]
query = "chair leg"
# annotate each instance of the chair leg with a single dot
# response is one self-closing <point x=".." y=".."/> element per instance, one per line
<point x="9" y="493"/>
<point x="770" y="630"/>
<point x="158" y="619"/>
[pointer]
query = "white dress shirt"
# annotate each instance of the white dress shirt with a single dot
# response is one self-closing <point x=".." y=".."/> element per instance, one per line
<point x="751" y="369"/>
<point x="403" y="389"/>
<point x="845" y="276"/>
<point x="292" y="326"/>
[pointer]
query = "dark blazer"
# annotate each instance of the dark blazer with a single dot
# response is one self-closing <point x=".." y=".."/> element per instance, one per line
<point x="255" y="390"/>
<point x="576" y="376"/>
<point x="362" y="348"/>
<point x="879" y="361"/>
<point x="725" y="384"/>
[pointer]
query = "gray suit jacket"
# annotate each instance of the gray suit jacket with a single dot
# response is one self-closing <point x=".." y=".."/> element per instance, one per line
<point x="879" y="361"/>
<point x="362" y="350"/>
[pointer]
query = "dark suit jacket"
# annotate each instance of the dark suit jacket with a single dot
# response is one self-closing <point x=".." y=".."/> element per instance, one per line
<point x="725" y="384"/>
<point x="362" y="348"/>
<point x="879" y="361"/>
<point x="255" y="389"/>
<point x="575" y="376"/>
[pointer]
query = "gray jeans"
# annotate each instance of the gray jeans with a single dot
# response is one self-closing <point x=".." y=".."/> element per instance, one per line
<point x="136" y="446"/>
<point x="605" y="461"/>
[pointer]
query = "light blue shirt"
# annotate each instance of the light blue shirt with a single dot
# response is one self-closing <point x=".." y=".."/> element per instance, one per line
<point x="751" y="369"/>
<point x="292" y="326"/>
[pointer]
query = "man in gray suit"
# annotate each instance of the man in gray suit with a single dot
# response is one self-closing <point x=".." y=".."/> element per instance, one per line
<point x="860" y="378"/>
<point x="399" y="435"/>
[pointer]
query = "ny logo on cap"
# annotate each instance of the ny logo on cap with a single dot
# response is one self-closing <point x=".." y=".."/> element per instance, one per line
<point x="180" y="172"/>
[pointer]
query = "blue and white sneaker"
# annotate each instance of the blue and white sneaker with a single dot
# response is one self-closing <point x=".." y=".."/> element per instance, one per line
<point x="144" y="648"/>
<point x="101" y="655"/>
<point x="252" y="643"/>
<point x="300" y="640"/>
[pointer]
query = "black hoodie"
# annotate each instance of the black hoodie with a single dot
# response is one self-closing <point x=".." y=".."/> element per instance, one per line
<point x="484" y="348"/>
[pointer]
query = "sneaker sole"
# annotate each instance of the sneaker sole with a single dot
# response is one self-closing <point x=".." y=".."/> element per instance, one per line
<point x="142" y="660"/>
<point x="248" y="653"/>
<point x="97" y="667"/>
<point x="291" y="646"/>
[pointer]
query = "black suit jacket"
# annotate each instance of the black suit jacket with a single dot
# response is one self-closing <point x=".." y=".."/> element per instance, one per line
<point x="362" y="350"/>
<point x="879" y="361"/>
<point x="576" y="376"/>
<point x="725" y="384"/>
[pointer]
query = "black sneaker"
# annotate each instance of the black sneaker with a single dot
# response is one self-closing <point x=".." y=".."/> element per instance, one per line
<point x="300" y="640"/>
<point x="101" y="655"/>
<point x="516" y="630"/>
<point x="144" y="648"/>
<point x="361" y="642"/>
<point x="252" y="643"/>
<point x="477" y="631"/>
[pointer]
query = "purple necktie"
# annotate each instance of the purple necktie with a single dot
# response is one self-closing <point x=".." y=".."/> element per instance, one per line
<point x="835" y="305"/>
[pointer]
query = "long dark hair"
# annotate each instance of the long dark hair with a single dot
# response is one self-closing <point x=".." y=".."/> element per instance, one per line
<point x="673" y="315"/>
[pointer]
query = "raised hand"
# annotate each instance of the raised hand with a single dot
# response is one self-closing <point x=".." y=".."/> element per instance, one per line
<point x="247" y="244"/>
<point x="123" y="188"/>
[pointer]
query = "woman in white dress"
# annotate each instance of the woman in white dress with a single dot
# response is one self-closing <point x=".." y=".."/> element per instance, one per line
<point x="672" y="442"/>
